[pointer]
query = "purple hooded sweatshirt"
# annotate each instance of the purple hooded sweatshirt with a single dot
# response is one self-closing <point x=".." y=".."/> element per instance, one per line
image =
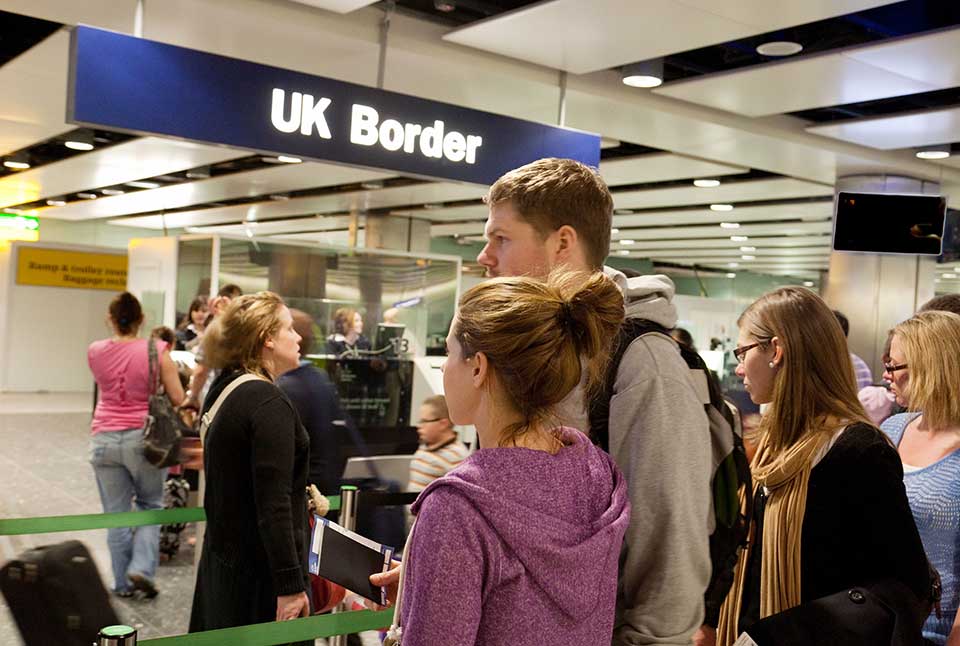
<point x="517" y="547"/>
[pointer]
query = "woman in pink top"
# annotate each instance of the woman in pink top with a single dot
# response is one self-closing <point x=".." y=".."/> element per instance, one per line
<point x="120" y="366"/>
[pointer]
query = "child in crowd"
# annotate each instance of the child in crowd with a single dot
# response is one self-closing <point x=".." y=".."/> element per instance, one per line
<point x="440" y="450"/>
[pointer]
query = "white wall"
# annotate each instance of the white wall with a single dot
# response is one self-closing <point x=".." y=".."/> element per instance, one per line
<point x="45" y="331"/>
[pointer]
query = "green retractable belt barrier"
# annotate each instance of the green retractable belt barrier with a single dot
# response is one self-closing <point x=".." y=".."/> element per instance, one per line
<point x="269" y="634"/>
<point x="51" y="524"/>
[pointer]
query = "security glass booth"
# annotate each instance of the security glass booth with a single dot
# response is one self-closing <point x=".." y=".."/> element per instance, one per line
<point x="404" y="301"/>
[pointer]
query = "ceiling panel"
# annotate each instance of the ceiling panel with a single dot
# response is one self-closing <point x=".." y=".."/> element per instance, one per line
<point x="753" y="190"/>
<point x="726" y="243"/>
<point x="681" y="233"/>
<point x="788" y="86"/>
<point x="337" y="6"/>
<point x="768" y="256"/>
<point x="913" y="57"/>
<point x="661" y="167"/>
<point x="449" y="214"/>
<point x="34" y="94"/>
<point x="281" y="178"/>
<point x="902" y="131"/>
<point x="132" y="160"/>
<point x="117" y="15"/>
<point x="280" y="227"/>
<point x="382" y="198"/>
<point x="582" y="37"/>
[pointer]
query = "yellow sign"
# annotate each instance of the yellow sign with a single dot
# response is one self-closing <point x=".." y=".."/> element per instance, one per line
<point x="76" y="269"/>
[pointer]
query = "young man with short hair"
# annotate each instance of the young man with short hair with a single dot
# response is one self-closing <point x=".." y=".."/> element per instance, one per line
<point x="556" y="212"/>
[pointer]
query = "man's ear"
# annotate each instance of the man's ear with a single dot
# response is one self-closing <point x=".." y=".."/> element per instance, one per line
<point x="269" y="343"/>
<point x="566" y="241"/>
<point x="481" y="369"/>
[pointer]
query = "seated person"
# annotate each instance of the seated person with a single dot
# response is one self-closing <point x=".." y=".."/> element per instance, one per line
<point x="440" y="450"/>
<point x="347" y="332"/>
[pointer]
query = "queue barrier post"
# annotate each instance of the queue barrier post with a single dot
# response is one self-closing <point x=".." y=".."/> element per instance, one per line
<point x="348" y="520"/>
<point x="118" y="635"/>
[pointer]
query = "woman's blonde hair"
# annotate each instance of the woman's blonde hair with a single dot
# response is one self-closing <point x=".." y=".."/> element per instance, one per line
<point x="535" y="335"/>
<point x="931" y="349"/>
<point x="816" y="378"/>
<point x="343" y="320"/>
<point x="236" y="338"/>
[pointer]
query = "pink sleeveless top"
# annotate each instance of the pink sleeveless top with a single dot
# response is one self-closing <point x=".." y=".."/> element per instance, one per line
<point x="121" y="371"/>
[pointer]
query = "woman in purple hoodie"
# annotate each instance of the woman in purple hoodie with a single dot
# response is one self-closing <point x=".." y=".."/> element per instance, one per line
<point x="520" y="544"/>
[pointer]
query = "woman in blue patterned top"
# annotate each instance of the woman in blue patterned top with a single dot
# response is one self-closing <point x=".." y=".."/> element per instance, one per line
<point x="924" y="372"/>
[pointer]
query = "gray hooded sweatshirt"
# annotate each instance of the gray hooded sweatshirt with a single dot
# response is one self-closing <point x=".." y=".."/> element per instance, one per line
<point x="660" y="439"/>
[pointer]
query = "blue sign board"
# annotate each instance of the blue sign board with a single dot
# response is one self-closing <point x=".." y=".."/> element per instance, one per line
<point x="120" y="82"/>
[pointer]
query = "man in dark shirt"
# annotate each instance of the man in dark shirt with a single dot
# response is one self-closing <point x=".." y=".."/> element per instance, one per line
<point x="315" y="398"/>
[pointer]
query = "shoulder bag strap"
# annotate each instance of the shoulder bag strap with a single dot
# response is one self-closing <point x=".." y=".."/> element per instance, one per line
<point x="395" y="633"/>
<point x="154" y="368"/>
<point x="207" y="418"/>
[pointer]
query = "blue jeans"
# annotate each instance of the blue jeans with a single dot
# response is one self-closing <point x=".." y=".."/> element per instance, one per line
<point x="124" y="477"/>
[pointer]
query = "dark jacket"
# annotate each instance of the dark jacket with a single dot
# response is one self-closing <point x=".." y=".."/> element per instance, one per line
<point x="255" y="547"/>
<point x="315" y="398"/>
<point x="857" y="528"/>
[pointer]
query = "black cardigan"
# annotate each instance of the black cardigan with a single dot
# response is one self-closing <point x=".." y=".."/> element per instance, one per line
<point x="256" y="459"/>
<point x="857" y="528"/>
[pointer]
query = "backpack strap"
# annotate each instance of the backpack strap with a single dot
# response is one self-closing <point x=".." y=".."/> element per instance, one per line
<point x="395" y="633"/>
<point x="207" y="418"/>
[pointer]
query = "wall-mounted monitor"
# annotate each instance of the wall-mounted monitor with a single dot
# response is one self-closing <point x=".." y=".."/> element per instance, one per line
<point x="951" y="237"/>
<point x="889" y="223"/>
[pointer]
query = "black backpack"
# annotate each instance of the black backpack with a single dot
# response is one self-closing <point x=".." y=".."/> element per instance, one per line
<point x="731" y="469"/>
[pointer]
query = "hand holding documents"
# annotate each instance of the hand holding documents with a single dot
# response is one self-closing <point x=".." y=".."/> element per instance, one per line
<point x="348" y="559"/>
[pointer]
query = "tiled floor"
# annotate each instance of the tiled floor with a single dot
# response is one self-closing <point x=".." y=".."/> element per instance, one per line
<point x="44" y="472"/>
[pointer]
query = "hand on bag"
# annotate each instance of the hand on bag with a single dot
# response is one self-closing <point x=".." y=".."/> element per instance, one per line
<point x="191" y="453"/>
<point x="293" y="606"/>
<point x="705" y="636"/>
<point x="389" y="580"/>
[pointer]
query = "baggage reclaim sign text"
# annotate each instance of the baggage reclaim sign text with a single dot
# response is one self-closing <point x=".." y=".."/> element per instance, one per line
<point x="50" y="267"/>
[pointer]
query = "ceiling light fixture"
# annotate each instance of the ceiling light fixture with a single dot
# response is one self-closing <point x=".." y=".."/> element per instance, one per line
<point x="372" y="185"/>
<point x="731" y="275"/>
<point x="56" y="203"/>
<point x="623" y="212"/>
<point x="19" y="161"/>
<point x="646" y="74"/>
<point x="934" y="152"/>
<point x="628" y="242"/>
<point x="706" y="183"/>
<point x="279" y="197"/>
<point x="446" y="6"/>
<point x="729" y="225"/>
<point x="739" y="238"/>
<point x="111" y="191"/>
<point x="623" y="252"/>
<point x="78" y="145"/>
<point x="87" y="196"/>
<point x="201" y="172"/>
<point x="721" y="207"/>
<point x="808" y="283"/>
<point x="286" y="159"/>
<point x="747" y="257"/>
<point x="748" y="249"/>
<point x="779" y="48"/>
<point x="949" y="276"/>
<point x="143" y="184"/>
<point x="614" y="230"/>
<point x="733" y="264"/>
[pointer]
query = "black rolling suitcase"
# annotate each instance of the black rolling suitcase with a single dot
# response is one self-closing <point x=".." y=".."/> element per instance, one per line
<point x="56" y="595"/>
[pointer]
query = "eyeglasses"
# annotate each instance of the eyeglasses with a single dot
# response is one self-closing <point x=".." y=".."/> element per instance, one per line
<point x="741" y="352"/>
<point x="891" y="368"/>
<point x="428" y="421"/>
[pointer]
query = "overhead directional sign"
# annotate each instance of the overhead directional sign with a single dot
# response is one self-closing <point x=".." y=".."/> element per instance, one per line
<point x="125" y="83"/>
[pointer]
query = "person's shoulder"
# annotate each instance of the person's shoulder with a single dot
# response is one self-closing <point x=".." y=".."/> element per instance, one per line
<point x="859" y="445"/>
<point x="896" y="423"/>
<point x="98" y="346"/>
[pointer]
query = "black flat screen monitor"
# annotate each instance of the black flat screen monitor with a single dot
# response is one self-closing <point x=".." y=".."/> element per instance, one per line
<point x="888" y="223"/>
<point x="951" y="237"/>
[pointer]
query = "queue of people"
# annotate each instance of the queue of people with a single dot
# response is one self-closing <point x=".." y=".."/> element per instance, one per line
<point x="540" y="536"/>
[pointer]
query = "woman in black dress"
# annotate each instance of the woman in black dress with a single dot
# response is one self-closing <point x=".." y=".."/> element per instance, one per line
<point x="253" y="567"/>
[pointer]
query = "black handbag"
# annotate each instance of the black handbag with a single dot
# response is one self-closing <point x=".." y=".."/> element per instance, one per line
<point x="163" y="428"/>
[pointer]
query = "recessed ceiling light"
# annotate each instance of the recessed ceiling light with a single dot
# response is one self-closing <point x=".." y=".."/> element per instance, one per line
<point x="628" y="242"/>
<point x="739" y="238"/>
<point x="16" y="165"/>
<point x="706" y="183"/>
<point x="446" y="6"/>
<point x="372" y="185"/>
<point x="645" y="74"/>
<point x="934" y="152"/>
<point x="78" y="145"/>
<point x="747" y="257"/>
<point x="949" y="276"/>
<point x="111" y="191"/>
<point x="731" y="275"/>
<point x="748" y="249"/>
<point x="614" y="230"/>
<point x="733" y="264"/>
<point x="623" y="212"/>
<point x="779" y="48"/>
<point x="808" y="283"/>
<point x="87" y="196"/>
<point x="143" y="184"/>
<point x="729" y="225"/>
<point x="721" y="207"/>
<point x="279" y="197"/>
<point x="286" y="159"/>
<point x="623" y="252"/>
<point x="56" y="203"/>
